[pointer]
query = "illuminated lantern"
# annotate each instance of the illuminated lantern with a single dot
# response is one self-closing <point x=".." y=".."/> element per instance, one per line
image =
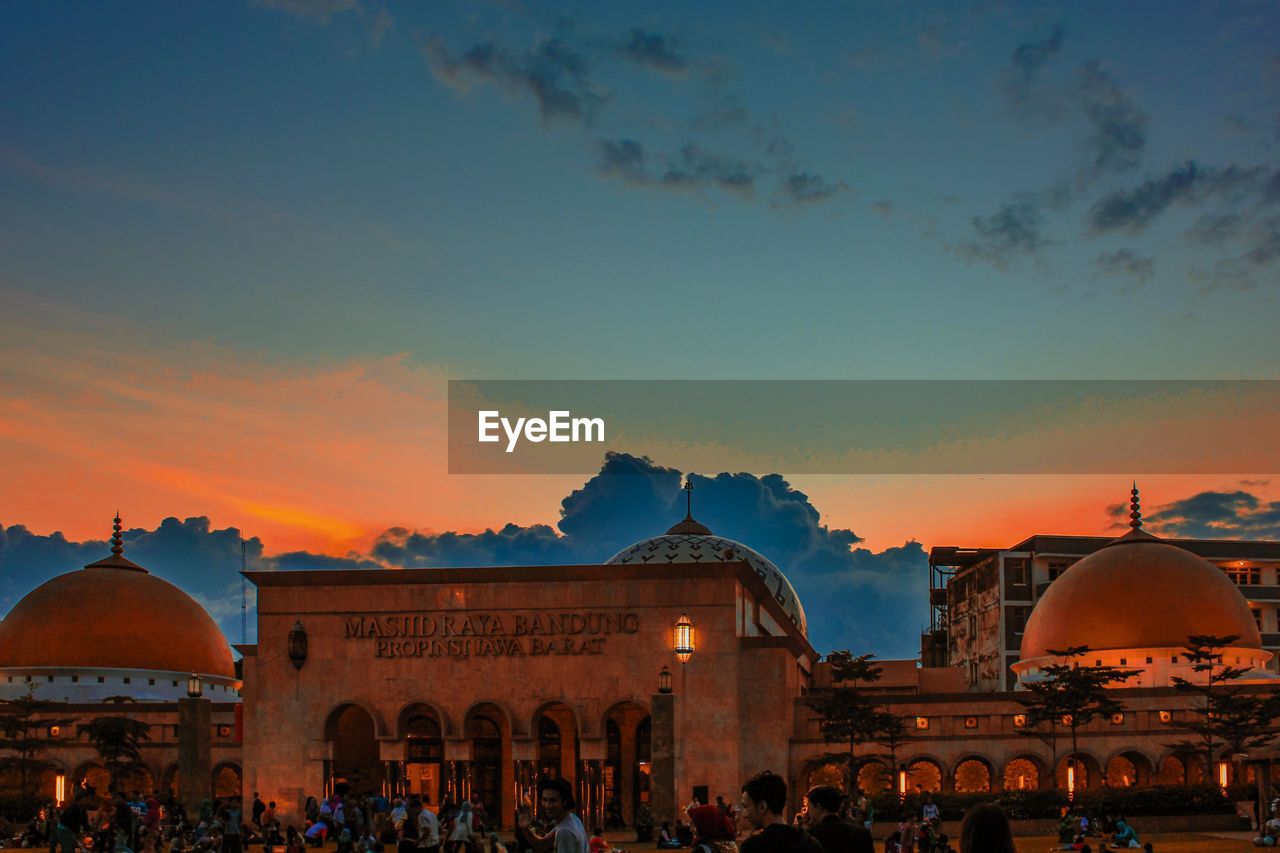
<point x="664" y="681"/>
<point x="684" y="639"/>
<point x="194" y="688"/>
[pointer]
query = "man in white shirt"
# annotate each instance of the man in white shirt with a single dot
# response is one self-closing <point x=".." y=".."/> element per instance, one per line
<point x="556" y="799"/>
<point x="428" y="831"/>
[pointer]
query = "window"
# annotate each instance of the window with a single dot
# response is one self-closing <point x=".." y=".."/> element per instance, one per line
<point x="1149" y="660"/>
<point x="152" y="681"/>
<point x="126" y="681"/>
<point x="1173" y="659"/>
<point x="1017" y="570"/>
<point x="75" y="679"/>
<point x="101" y="680"/>
<point x="1056" y="568"/>
<point x="1124" y="661"/>
<point x="973" y="672"/>
<point x="1257" y="616"/>
<point x="1243" y="574"/>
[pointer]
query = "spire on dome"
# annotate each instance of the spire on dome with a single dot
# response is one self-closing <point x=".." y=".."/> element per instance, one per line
<point x="688" y="525"/>
<point x="117" y="559"/>
<point x="1135" y="510"/>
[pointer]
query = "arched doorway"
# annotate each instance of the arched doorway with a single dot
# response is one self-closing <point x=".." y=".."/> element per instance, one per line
<point x="1128" y="769"/>
<point x="354" y="759"/>
<point x="924" y="775"/>
<point x="874" y="777"/>
<point x="557" y="732"/>
<point x="488" y="730"/>
<point x="423" y="754"/>
<point x="623" y="750"/>
<point x="93" y="776"/>
<point x="226" y="781"/>
<point x="1173" y="771"/>
<point x="1022" y="774"/>
<point x="828" y="772"/>
<point x="972" y="776"/>
<point x="1088" y="772"/>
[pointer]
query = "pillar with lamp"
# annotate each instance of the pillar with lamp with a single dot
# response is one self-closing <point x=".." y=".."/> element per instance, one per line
<point x="195" y="736"/>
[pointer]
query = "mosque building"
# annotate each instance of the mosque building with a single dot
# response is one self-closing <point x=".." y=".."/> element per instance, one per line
<point x="672" y="671"/>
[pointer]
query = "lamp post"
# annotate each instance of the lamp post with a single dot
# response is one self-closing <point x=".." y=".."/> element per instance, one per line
<point x="195" y="738"/>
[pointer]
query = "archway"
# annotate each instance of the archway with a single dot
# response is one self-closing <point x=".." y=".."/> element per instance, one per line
<point x="1128" y="769"/>
<point x="1173" y="771"/>
<point x="353" y="750"/>
<point x="1088" y="772"/>
<point x="422" y="735"/>
<point x="94" y="776"/>
<point x="227" y="781"/>
<point x="874" y="777"/>
<point x="622" y="762"/>
<point x="169" y="781"/>
<point x="827" y="772"/>
<point x="924" y="774"/>
<point x="644" y="759"/>
<point x="557" y="732"/>
<point x="972" y="776"/>
<point x="489" y="730"/>
<point x="1022" y="774"/>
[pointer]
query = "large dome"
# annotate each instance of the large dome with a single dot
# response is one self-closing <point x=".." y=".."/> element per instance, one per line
<point x="113" y="614"/>
<point x="1138" y="592"/>
<point x="691" y="542"/>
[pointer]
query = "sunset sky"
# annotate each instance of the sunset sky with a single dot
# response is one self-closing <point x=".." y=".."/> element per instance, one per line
<point x="245" y="245"/>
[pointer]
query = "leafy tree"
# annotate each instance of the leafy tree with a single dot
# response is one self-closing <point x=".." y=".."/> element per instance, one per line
<point x="1226" y="715"/>
<point x="1073" y="694"/>
<point x="116" y="739"/>
<point x="22" y="732"/>
<point x="891" y="732"/>
<point x="847" y="715"/>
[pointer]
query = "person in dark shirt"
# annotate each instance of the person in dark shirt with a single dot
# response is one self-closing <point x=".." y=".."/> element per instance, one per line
<point x="764" y="798"/>
<point x="834" y="833"/>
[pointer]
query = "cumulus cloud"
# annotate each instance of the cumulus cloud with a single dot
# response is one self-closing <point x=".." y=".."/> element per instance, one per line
<point x="1219" y="515"/>
<point x="854" y="597"/>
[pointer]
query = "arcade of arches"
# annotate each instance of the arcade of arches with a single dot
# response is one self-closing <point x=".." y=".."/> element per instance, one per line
<point x="480" y="762"/>
<point x="973" y="773"/>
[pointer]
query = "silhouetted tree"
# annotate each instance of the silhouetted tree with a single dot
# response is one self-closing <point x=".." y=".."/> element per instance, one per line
<point x="1072" y="694"/>
<point x="116" y="740"/>
<point x="23" y="732"/>
<point x="1225" y="714"/>
<point x="847" y="715"/>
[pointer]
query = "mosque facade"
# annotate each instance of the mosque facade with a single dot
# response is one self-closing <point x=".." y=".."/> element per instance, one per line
<point x="670" y="672"/>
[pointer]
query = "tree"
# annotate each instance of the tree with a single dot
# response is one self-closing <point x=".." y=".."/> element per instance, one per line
<point x="1227" y="715"/>
<point x="22" y="731"/>
<point x="1073" y="694"/>
<point x="116" y="739"/>
<point x="891" y="732"/>
<point x="847" y="715"/>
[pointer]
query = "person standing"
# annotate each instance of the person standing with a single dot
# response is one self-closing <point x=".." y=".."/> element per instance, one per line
<point x="258" y="808"/>
<point x="764" y="799"/>
<point x="556" y="799"/>
<point x="834" y="833"/>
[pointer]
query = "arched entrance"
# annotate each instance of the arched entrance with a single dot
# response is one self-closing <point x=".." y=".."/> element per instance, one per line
<point x="1088" y="772"/>
<point x="972" y="776"/>
<point x="1022" y="774"/>
<point x="489" y="731"/>
<point x="644" y="759"/>
<point x="923" y="775"/>
<point x="1128" y="769"/>
<point x="227" y="781"/>
<point x="828" y="772"/>
<point x="423" y="740"/>
<point x="874" y="777"/>
<point x="93" y="776"/>
<point x="557" y="733"/>
<point x="354" y="759"/>
<point x="622" y="762"/>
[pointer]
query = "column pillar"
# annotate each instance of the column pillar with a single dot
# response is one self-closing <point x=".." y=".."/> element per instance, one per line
<point x="195" y="741"/>
<point x="662" y="794"/>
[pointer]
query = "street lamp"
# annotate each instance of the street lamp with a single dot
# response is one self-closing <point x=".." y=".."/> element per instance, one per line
<point x="684" y="638"/>
<point x="297" y="645"/>
<point x="194" y="688"/>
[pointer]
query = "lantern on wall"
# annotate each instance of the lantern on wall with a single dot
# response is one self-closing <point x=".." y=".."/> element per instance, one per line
<point x="297" y="645"/>
<point x="684" y="638"/>
<point x="664" y="680"/>
<point x="60" y="788"/>
<point x="194" y="688"/>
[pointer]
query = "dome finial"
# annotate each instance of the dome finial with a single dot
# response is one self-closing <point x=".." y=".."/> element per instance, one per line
<point x="1135" y="509"/>
<point x="117" y="541"/>
<point x="688" y="497"/>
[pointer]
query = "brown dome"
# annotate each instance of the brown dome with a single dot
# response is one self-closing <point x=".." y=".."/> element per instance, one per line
<point x="113" y="614"/>
<point x="1138" y="592"/>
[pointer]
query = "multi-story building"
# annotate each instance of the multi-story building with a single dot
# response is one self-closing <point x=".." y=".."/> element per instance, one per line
<point x="981" y="598"/>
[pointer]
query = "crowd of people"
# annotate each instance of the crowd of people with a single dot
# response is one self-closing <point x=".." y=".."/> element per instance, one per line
<point x="829" y="822"/>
